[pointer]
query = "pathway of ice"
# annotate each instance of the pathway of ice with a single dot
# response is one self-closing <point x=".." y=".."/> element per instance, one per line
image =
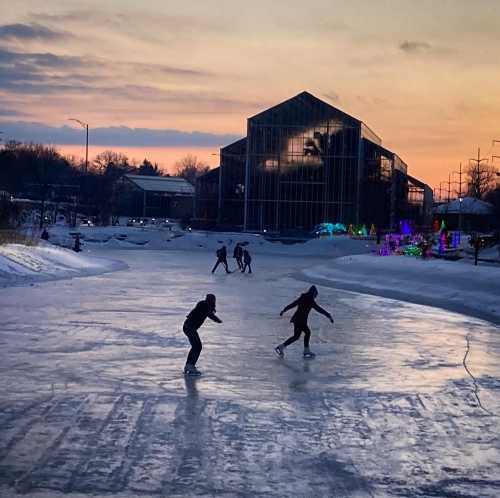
<point x="92" y="399"/>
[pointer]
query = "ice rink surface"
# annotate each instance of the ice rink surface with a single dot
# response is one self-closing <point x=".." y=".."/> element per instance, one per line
<point x="402" y="399"/>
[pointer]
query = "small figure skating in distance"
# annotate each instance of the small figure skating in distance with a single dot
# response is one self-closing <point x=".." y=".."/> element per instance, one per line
<point x="203" y="310"/>
<point x="305" y="303"/>
<point x="221" y="258"/>
<point x="77" y="247"/>
<point x="238" y="256"/>
<point x="247" y="259"/>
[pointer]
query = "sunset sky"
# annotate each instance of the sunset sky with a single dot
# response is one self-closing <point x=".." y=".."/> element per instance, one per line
<point x="423" y="74"/>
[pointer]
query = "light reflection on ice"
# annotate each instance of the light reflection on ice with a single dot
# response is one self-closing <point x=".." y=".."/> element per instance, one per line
<point x="386" y="405"/>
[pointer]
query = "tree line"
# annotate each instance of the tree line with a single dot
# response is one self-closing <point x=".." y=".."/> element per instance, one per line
<point x="42" y="173"/>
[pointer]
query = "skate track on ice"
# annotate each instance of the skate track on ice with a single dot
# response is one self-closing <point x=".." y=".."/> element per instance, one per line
<point x="402" y="399"/>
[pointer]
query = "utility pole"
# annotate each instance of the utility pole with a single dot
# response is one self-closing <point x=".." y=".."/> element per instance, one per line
<point x="85" y="126"/>
<point x="478" y="162"/>
<point x="440" y="191"/>
<point x="460" y="199"/>
<point x="495" y="157"/>
<point x="459" y="173"/>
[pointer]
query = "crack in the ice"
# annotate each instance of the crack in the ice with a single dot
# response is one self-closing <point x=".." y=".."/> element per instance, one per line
<point x="474" y="380"/>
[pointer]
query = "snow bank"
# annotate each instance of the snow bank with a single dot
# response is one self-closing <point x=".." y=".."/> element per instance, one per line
<point x="151" y="238"/>
<point x="456" y="285"/>
<point x="21" y="264"/>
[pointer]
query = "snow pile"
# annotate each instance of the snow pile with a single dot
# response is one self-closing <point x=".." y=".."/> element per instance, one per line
<point x="456" y="285"/>
<point x="490" y="253"/>
<point x="176" y="239"/>
<point x="113" y="237"/>
<point x="21" y="264"/>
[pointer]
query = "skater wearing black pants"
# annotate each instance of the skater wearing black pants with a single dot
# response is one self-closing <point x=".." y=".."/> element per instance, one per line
<point x="238" y="255"/>
<point x="247" y="259"/>
<point x="203" y="310"/>
<point x="305" y="303"/>
<point x="221" y="258"/>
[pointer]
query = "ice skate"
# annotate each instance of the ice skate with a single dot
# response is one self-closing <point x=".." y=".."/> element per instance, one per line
<point x="308" y="353"/>
<point x="280" y="351"/>
<point x="191" y="371"/>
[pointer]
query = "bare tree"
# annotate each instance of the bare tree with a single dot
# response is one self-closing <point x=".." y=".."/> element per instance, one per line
<point x="112" y="163"/>
<point x="189" y="168"/>
<point x="480" y="179"/>
<point x="110" y="168"/>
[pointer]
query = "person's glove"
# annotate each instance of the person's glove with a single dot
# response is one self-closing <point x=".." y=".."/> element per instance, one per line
<point x="331" y="319"/>
<point x="281" y="313"/>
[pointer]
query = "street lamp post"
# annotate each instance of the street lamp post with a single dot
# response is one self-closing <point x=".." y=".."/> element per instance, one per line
<point x="460" y="200"/>
<point x="85" y="126"/>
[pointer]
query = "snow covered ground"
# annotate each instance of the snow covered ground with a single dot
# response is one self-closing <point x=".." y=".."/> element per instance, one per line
<point x="456" y="285"/>
<point x="135" y="238"/>
<point x="21" y="264"/>
<point x="347" y="263"/>
<point x="402" y="399"/>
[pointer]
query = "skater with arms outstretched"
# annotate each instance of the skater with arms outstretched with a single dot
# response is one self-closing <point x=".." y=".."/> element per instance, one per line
<point x="203" y="310"/>
<point x="305" y="303"/>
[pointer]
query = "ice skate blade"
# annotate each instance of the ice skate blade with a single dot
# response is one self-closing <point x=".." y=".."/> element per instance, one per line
<point x="279" y="353"/>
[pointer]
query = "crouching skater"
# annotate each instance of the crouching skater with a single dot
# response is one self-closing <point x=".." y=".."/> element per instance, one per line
<point x="203" y="310"/>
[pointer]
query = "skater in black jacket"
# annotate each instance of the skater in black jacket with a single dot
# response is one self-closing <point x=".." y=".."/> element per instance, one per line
<point x="247" y="259"/>
<point x="221" y="258"/>
<point x="305" y="303"/>
<point x="203" y="310"/>
<point x="238" y="255"/>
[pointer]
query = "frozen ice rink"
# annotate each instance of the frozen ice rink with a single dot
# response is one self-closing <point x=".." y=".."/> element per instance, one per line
<point x="402" y="399"/>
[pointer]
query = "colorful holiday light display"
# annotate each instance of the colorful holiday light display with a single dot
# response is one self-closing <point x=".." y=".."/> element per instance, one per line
<point x="329" y="228"/>
<point x="412" y="250"/>
<point x="404" y="227"/>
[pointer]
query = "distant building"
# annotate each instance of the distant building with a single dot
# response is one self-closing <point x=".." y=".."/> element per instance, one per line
<point x="467" y="214"/>
<point x="420" y="201"/>
<point x="155" y="197"/>
<point x="304" y="162"/>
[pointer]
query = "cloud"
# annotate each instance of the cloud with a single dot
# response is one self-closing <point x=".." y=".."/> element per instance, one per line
<point x="415" y="47"/>
<point x="122" y="135"/>
<point x="83" y="77"/>
<point x="6" y="112"/>
<point x="46" y="61"/>
<point x="40" y="61"/>
<point x="138" y="23"/>
<point x="43" y="73"/>
<point x="27" y="32"/>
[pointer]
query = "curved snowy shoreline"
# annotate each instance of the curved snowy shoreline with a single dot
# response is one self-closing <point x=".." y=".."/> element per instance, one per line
<point x="455" y="286"/>
<point x="21" y="265"/>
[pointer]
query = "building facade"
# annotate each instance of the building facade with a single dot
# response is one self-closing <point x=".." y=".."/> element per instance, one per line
<point x="304" y="162"/>
<point x="155" y="197"/>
